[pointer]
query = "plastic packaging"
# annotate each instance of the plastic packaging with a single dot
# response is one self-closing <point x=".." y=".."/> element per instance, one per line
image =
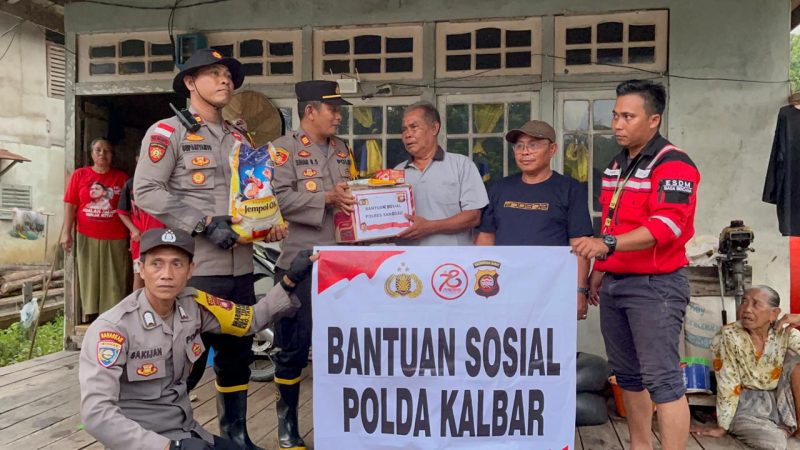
<point x="27" y="224"/>
<point x="252" y="197"/>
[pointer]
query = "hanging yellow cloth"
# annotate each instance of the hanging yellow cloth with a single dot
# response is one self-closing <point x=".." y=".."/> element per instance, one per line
<point x="486" y="117"/>
<point x="371" y="155"/>
<point x="576" y="160"/>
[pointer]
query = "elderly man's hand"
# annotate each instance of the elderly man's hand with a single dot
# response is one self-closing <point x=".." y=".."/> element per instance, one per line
<point x="788" y="320"/>
<point x="420" y="228"/>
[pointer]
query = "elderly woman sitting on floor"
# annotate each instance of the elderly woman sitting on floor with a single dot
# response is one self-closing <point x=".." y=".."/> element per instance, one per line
<point x="758" y="379"/>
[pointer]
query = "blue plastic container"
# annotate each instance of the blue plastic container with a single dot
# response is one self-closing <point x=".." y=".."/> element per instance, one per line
<point x="696" y="375"/>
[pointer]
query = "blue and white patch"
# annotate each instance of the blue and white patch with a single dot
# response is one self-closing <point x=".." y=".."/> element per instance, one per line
<point x="109" y="347"/>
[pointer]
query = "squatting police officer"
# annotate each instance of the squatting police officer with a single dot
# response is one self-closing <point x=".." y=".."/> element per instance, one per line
<point x="183" y="179"/>
<point x="136" y="357"/>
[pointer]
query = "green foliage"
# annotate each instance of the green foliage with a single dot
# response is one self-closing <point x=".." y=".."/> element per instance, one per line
<point x="14" y="343"/>
<point x="794" y="63"/>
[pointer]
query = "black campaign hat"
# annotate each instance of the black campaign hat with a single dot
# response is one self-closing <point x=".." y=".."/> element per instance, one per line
<point x="319" y="91"/>
<point x="158" y="237"/>
<point x="206" y="57"/>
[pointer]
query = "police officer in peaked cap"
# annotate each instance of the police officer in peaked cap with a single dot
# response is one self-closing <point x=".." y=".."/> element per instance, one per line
<point x="312" y="167"/>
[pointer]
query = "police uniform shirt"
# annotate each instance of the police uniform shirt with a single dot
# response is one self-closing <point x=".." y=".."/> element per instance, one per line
<point x="304" y="171"/>
<point x="133" y="365"/>
<point x="182" y="177"/>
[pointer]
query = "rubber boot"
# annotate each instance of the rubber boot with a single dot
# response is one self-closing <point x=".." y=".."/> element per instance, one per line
<point x="232" y="411"/>
<point x="286" y="407"/>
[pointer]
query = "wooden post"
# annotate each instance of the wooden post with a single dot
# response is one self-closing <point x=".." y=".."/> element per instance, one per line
<point x="27" y="292"/>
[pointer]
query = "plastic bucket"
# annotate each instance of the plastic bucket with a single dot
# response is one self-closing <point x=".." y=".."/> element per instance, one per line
<point x="696" y="375"/>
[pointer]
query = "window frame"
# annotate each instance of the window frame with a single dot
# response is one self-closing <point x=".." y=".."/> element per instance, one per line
<point x="534" y="24"/>
<point x="486" y="98"/>
<point x="659" y="18"/>
<point x="87" y="41"/>
<point x="385" y="136"/>
<point x="413" y="31"/>
<point x="235" y="37"/>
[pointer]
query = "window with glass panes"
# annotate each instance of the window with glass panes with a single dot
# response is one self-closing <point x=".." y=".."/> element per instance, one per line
<point x="106" y="57"/>
<point x="619" y="42"/>
<point x="374" y="132"/>
<point x="476" y="125"/>
<point x="380" y="53"/>
<point x="266" y="56"/>
<point x="587" y="141"/>
<point x="510" y="47"/>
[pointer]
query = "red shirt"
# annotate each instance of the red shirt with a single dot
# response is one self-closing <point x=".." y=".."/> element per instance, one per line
<point x="660" y="195"/>
<point x="141" y="220"/>
<point x="96" y="195"/>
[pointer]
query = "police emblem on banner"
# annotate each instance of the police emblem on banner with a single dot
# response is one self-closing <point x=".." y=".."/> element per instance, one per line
<point x="486" y="284"/>
<point x="403" y="283"/>
<point x="109" y="348"/>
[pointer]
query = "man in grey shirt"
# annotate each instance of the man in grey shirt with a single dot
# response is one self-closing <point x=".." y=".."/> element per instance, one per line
<point x="448" y="190"/>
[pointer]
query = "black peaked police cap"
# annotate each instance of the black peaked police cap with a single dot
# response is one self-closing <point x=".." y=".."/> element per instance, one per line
<point x="165" y="237"/>
<point x="319" y="91"/>
<point x="206" y="57"/>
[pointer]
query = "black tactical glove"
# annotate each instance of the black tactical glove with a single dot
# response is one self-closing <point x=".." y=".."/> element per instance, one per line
<point x="190" y="444"/>
<point x="300" y="267"/>
<point x="219" y="232"/>
<point x="298" y="270"/>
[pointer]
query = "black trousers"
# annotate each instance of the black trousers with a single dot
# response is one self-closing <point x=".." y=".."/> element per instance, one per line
<point x="232" y="355"/>
<point x="293" y="334"/>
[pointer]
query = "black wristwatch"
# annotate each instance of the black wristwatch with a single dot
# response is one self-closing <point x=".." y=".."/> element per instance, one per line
<point x="200" y="227"/>
<point x="611" y="243"/>
<point x="584" y="291"/>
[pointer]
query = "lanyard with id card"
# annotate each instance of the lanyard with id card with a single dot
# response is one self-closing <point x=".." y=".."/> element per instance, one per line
<point x="615" y="198"/>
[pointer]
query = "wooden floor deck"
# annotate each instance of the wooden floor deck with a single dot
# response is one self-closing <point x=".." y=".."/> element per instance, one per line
<point x="39" y="402"/>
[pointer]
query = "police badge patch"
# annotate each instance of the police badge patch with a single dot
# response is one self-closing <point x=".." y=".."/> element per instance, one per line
<point x="158" y="147"/>
<point x="109" y="347"/>
<point x="279" y="155"/>
<point x="147" y="369"/>
<point x="486" y="284"/>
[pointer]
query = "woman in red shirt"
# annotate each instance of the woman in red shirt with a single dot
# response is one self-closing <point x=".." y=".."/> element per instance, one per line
<point x="90" y="206"/>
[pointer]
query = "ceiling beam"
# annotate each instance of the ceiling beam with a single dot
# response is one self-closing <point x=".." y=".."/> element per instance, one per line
<point x="33" y="12"/>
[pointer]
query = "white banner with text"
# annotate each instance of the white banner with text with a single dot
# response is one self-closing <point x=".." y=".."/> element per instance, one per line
<point x="444" y="347"/>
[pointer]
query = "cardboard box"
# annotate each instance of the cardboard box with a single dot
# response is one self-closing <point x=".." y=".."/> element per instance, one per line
<point x="379" y="213"/>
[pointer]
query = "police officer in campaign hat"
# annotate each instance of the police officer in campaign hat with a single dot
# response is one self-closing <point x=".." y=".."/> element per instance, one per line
<point x="312" y="167"/>
<point x="183" y="179"/>
<point x="136" y="357"/>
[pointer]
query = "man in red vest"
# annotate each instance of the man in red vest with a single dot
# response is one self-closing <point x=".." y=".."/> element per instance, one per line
<point x="649" y="196"/>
